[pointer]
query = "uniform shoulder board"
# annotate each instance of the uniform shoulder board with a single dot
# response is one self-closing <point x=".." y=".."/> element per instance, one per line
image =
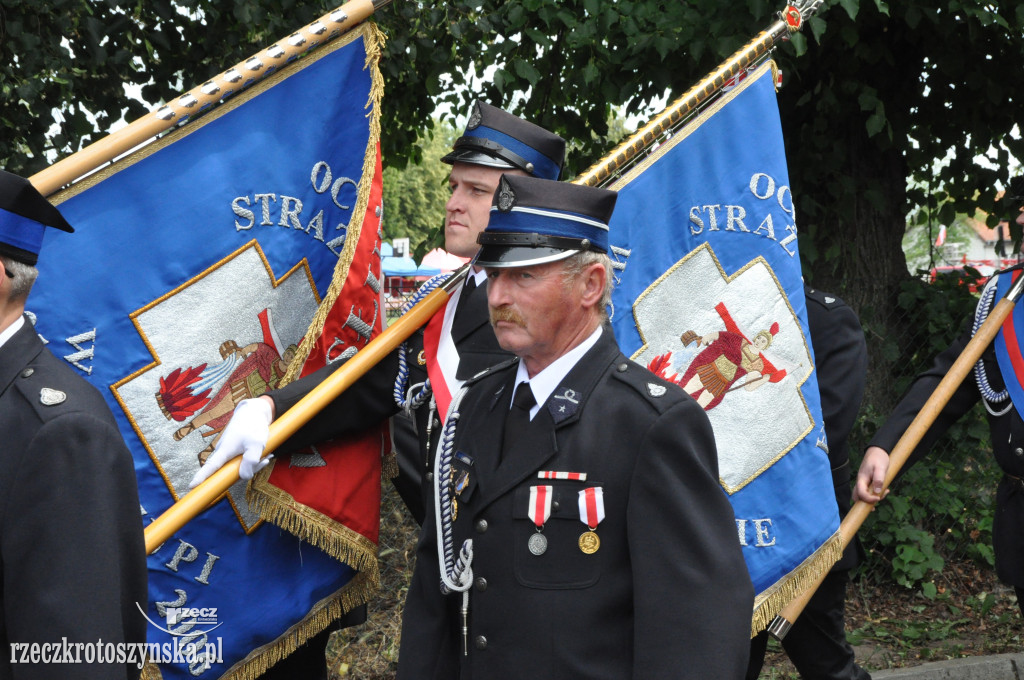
<point x="826" y="300"/>
<point x="493" y="369"/>
<point x="657" y="391"/>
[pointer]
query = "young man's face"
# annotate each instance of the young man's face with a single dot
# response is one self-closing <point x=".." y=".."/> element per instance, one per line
<point x="469" y="206"/>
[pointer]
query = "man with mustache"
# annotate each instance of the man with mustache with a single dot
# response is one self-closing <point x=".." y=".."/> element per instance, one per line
<point x="576" y="528"/>
<point x="493" y="143"/>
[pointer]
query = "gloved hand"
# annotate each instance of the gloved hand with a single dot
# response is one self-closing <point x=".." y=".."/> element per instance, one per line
<point x="246" y="435"/>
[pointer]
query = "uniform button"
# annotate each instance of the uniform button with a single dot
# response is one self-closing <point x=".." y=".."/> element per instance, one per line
<point x="437" y="423"/>
<point x="481" y="583"/>
<point x="480" y="642"/>
<point x="554" y="505"/>
<point x="27" y="372"/>
<point x="622" y="367"/>
<point x="480" y="526"/>
<point x="430" y="477"/>
<point x="1019" y="452"/>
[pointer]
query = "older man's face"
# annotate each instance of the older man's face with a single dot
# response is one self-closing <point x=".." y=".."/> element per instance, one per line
<point x="535" y="313"/>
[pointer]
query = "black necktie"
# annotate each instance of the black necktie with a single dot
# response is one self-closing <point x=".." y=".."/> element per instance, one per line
<point x="518" y="417"/>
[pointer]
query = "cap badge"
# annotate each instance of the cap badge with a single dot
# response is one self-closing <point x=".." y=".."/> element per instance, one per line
<point x="474" y="117"/>
<point x="506" y="197"/>
<point x="51" y="397"/>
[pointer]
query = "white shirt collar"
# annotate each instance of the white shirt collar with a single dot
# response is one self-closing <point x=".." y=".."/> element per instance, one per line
<point x="480" y="276"/>
<point x="545" y="382"/>
<point x="7" y="333"/>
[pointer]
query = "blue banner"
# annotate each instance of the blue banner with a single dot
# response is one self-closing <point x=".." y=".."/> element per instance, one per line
<point x="196" y="268"/>
<point x="709" y="295"/>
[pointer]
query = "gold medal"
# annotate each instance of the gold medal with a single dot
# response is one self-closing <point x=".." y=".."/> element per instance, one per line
<point x="589" y="542"/>
<point x="455" y="509"/>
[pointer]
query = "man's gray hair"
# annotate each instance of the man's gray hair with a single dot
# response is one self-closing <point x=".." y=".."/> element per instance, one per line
<point x="574" y="266"/>
<point x="23" y="276"/>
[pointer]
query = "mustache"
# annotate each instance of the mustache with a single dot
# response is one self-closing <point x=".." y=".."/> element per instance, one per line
<point x="506" y="313"/>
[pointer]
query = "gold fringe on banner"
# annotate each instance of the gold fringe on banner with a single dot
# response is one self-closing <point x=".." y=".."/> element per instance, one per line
<point x="271" y="503"/>
<point x="357" y="591"/>
<point x="338" y="541"/>
<point x="811" y="570"/>
<point x="279" y="507"/>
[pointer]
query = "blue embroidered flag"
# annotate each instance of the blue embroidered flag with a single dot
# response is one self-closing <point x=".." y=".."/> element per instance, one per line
<point x="709" y="295"/>
<point x="196" y="268"/>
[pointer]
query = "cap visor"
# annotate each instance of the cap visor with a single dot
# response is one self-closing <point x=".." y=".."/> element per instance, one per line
<point x="476" y="158"/>
<point x="498" y="256"/>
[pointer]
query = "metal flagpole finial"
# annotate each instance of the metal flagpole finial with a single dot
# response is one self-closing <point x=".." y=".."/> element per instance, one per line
<point x="797" y="13"/>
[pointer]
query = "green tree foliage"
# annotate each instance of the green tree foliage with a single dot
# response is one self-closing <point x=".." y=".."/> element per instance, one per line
<point x="415" y="195"/>
<point x="64" y="64"/>
<point x="875" y="93"/>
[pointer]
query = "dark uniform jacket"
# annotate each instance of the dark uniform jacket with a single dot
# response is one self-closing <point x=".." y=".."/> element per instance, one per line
<point x="371" y="399"/>
<point x="666" y="595"/>
<point x="1007" y="445"/>
<point x="71" y="543"/>
<point x="840" y="359"/>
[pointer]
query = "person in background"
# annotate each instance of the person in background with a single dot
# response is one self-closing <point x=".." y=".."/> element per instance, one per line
<point x="995" y="383"/>
<point x="816" y="644"/>
<point x="72" y="554"/>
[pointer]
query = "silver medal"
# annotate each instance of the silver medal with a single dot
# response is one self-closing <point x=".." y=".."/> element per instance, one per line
<point x="538" y="544"/>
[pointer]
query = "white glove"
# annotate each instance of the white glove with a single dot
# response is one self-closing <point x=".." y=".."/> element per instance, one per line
<point x="246" y="435"/>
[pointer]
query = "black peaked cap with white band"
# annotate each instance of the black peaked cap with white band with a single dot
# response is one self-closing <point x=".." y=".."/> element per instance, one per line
<point x="497" y="139"/>
<point x="534" y="221"/>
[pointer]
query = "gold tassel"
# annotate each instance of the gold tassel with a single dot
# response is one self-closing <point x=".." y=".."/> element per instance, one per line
<point x="769" y="603"/>
<point x="344" y="544"/>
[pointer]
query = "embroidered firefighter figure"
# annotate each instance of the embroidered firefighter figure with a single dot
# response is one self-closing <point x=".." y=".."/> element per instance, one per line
<point x="729" y="361"/>
<point x="206" y="395"/>
<point x="733" y="341"/>
<point x="212" y="346"/>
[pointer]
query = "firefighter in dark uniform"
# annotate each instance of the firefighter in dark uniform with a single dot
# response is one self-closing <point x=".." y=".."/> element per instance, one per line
<point x="987" y="384"/>
<point x="493" y="143"/>
<point x="816" y="644"/>
<point x="578" y="528"/>
<point x="71" y="545"/>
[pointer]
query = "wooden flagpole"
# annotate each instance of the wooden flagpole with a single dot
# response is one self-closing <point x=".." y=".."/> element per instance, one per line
<point x="200" y="98"/>
<point x="287" y="423"/>
<point x="790" y="21"/>
<point x="910" y="439"/>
